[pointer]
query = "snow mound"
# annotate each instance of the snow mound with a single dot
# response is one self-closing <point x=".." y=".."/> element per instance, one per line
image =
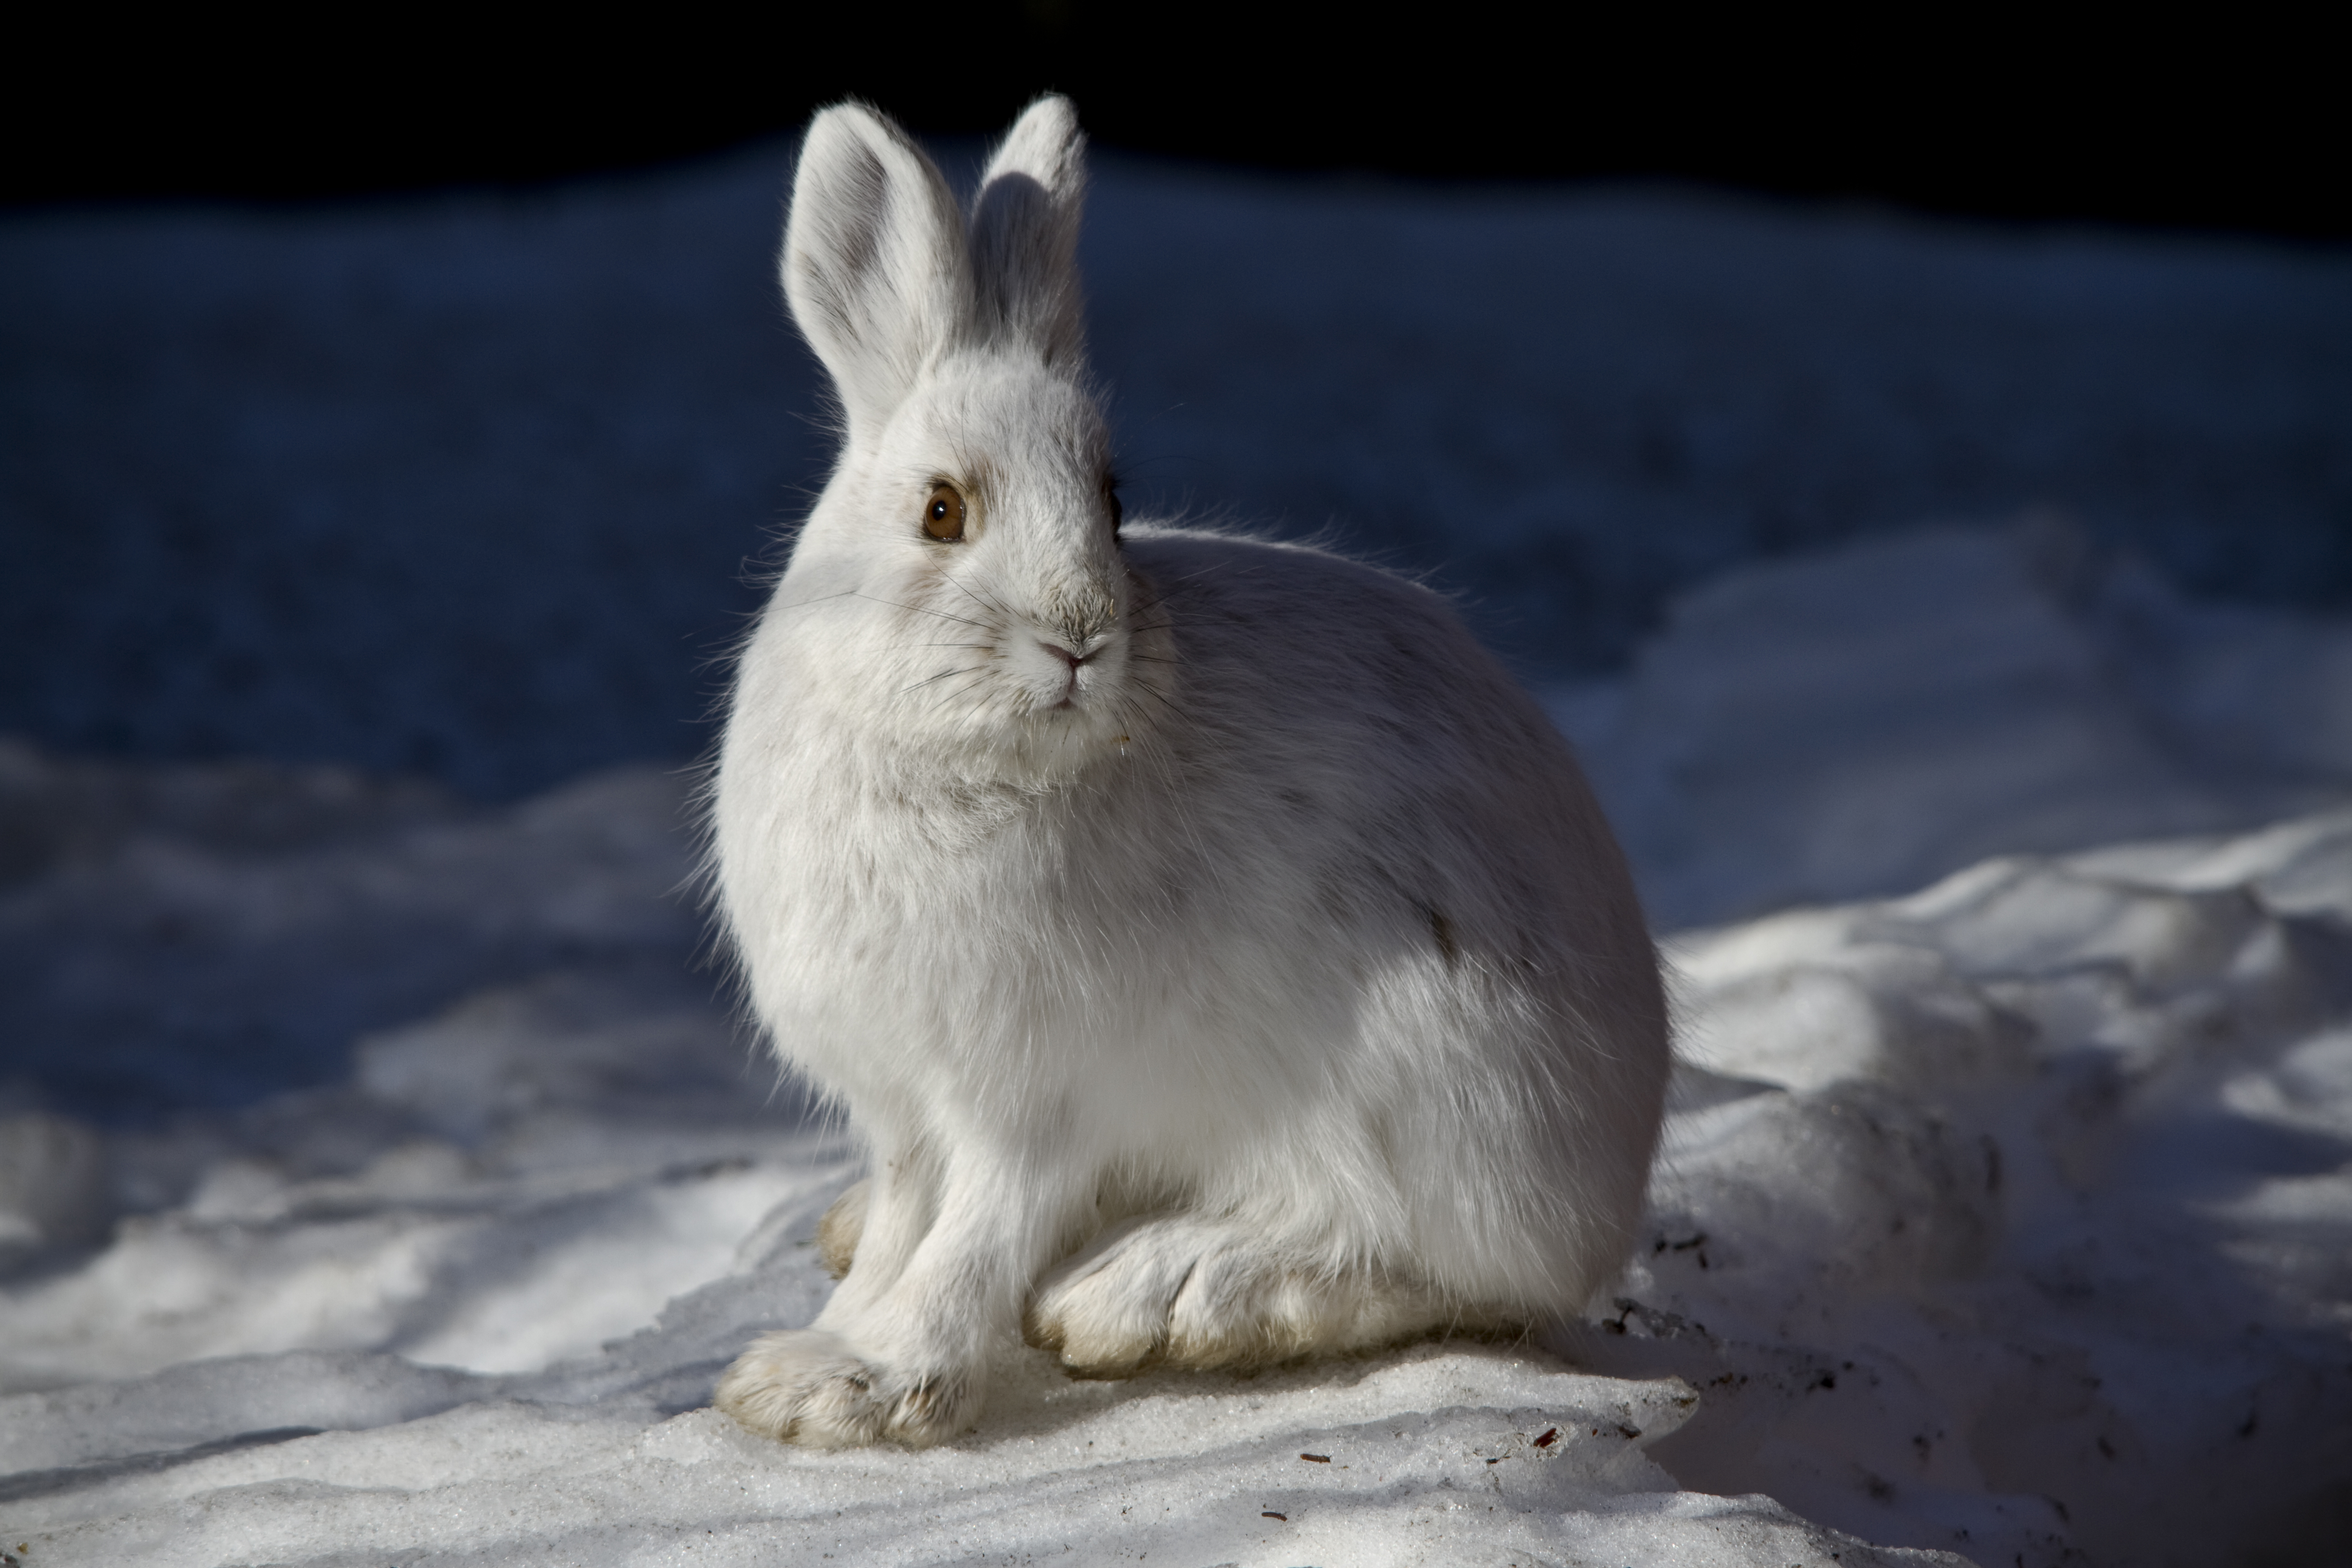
<point x="1861" y="722"/>
<point x="2021" y="1206"/>
<point x="201" y="935"/>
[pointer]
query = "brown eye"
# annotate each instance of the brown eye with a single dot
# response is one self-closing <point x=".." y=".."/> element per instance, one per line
<point x="944" y="513"/>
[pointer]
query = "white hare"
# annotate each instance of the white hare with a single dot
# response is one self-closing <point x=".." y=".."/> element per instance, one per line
<point x="1223" y="959"/>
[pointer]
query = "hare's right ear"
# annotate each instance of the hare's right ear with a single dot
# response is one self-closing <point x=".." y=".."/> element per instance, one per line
<point x="874" y="261"/>
<point x="1024" y="232"/>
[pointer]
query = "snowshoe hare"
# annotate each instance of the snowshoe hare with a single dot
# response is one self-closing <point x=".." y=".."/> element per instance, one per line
<point x="1225" y="961"/>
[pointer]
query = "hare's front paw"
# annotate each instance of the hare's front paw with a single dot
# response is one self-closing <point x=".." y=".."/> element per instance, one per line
<point x="807" y="1386"/>
<point x="1200" y="1293"/>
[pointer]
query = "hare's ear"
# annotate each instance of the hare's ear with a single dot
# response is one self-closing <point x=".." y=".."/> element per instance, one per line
<point x="874" y="260"/>
<point x="1025" y="234"/>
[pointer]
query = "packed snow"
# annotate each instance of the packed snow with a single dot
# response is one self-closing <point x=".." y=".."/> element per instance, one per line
<point x="384" y="1177"/>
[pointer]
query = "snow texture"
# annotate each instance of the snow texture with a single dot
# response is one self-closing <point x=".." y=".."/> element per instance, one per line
<point x="380" y="1182"/>
<point x="1858" y="723"/>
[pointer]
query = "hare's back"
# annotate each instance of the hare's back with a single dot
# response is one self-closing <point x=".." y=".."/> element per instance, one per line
<point x="1283" y="649"/>
<point x="1342" y="710"/>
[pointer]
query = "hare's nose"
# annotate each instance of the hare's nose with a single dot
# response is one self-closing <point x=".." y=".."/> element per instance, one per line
<point x="1064" y="655"/>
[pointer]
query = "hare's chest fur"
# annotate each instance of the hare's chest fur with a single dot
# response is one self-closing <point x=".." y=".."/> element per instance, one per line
<point x="899" y="920"/>
<point x="1119" y="944"/>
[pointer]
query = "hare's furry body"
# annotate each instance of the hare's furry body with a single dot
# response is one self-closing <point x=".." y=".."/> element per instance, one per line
<point x="1225" y="960"/>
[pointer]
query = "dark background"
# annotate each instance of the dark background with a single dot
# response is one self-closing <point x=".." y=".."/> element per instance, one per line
<point x="2217" y="121"/>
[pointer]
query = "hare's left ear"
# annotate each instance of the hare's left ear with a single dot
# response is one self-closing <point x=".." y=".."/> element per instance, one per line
<point x="1025" y="234"/>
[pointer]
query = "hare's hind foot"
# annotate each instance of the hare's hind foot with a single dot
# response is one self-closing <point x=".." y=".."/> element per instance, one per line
<point x="1195" y="1292"/>
<point x="808" y="1387"/>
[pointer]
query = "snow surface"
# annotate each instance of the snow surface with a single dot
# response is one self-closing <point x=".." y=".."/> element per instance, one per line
<point x="2009" y="1218"/>
<point x="381" y="1181"/>
<point x="1858" y="723"/>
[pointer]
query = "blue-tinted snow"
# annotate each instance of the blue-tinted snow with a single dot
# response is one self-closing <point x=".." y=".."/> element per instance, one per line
<point x="467" y="485"/>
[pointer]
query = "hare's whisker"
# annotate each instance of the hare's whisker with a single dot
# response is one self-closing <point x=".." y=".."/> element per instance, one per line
<point x="941" y="675"/>
<point x="921" y="610"/>
<point x="991" y="606"/>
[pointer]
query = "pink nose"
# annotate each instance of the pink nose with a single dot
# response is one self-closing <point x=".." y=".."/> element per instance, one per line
<point x="1064" y="655"/>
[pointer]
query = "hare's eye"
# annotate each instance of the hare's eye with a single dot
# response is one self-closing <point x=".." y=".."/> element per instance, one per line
<point x="944" y="513"/>
<point x="1118" y="511"/>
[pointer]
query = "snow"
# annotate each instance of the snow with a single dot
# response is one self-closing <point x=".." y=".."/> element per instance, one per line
<point x="381" y="1180"/>
<point x="1982" y="691"/>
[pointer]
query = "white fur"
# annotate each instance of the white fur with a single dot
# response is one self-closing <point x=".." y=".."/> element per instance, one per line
<point x="1265" y="983"/>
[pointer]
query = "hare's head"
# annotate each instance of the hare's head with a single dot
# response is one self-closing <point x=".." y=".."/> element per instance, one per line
<point x="972" y="518"/>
